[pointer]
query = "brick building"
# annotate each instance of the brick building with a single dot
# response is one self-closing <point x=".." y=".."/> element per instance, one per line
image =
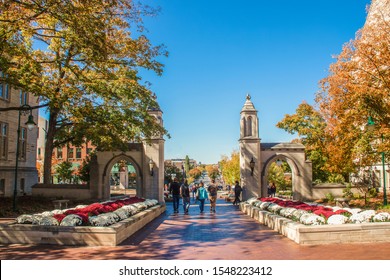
<point x="27" y="172"/>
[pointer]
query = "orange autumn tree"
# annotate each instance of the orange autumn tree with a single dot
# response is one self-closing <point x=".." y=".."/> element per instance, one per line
<point x="358" y="87"/>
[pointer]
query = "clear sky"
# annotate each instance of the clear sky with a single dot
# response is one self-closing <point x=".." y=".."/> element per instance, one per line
<point x="220" y="50"/>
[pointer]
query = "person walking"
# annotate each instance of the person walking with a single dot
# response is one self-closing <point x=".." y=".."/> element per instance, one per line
<point x="194" y="189"/>
<point x="201" y="195"/>
<point x="185" y="194"/>
<point x="213" y="190"/>
<point x="269" y="189"/>
<point x="174" y="189"/>
<point x="237" y="193"/>
<point x="273" y="190"/>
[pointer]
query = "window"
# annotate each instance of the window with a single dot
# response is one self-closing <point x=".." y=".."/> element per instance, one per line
<point x="22" y="186"/>
<point x="71" y="152"/>
<point x="4" y="140"/>
<point x="2" y="187"/>
<point x="78" y="152"/>
<point x="4" y="88"/>
<point x="59" y="152"/>
<point x="23" y="143"/>
<point x="249" y="126"/>
<point x="23" y="97"/>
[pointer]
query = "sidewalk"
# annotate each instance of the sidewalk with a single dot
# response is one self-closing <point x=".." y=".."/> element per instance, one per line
<point x="226" y="235"/>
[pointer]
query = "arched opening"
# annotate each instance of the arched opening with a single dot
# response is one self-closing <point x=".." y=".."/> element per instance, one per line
<point x="244" y="127"/>
<point x="281" y="173"/>
<point x="249" y="126"/>
<point x="122" y="177"/>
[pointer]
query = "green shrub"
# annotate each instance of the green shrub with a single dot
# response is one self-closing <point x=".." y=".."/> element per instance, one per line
<point x="347" y="192"/>
<point x="329" y="197"/>
<point x="372" y="192"/>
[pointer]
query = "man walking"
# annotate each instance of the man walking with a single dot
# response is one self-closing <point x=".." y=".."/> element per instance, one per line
<point x="174" y="189"/>
<point x="185" y="194"/>
<point x="212" y="189"/>
<point x="237" y="193"/>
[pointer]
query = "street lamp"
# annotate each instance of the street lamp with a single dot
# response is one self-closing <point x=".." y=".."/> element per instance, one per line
<point x="151" y="166"/>
<point x="30" y="125"/>
<point x="371" y="127"/>
<point x="279" y="162"/>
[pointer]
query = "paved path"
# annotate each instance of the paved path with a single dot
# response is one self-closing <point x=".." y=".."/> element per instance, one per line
<point x="226" y="235"/>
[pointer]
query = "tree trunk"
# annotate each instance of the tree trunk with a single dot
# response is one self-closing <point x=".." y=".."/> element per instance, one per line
<point x="49" y="147"/>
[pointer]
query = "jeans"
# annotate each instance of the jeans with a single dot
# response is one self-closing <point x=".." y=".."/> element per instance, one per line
<point x="201" y="205"/>
<point x="213" y="203"/>
<point x="186" y="204"/>
<point x="176" y="201"/>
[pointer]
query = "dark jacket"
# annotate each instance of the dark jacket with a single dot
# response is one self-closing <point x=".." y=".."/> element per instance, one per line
<point x="237" y="190"/>
<point x="174" y="189"/>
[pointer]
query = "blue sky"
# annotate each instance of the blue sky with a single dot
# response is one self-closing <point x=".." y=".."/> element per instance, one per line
<point x="277" y="51"/>
<point x="220" y="50"/>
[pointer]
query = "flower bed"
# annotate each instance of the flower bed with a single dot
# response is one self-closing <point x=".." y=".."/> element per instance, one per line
<point x="96" y="214"/>
<point x="314" y="214"/>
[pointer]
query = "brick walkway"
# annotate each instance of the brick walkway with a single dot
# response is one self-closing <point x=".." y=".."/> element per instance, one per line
<point x="228" y="235"/>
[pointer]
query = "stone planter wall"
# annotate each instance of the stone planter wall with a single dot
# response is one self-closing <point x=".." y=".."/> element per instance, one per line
<point x="82" y="235"/>
<point x="322" y="234"/>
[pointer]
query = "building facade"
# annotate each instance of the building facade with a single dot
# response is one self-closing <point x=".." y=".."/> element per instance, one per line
<point x="27" y="174"/>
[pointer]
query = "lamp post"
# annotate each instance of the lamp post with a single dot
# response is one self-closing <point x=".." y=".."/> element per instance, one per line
<point x="371" y="127"/>
<point x="252" y="165"/>
<point x="151" y="166"/>
<point x="30" y="125"/>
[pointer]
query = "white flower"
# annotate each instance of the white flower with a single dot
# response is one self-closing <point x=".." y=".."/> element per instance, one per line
<point x="252" y="200"/>
<point x="298" y="214"/>
<point x="58" y="211"/>
<point x="312" y="219"/>
<point x="287" y="212"/>
<point x="274" y="208"/>
<point x="71" y="221"/>
<point x="80" y="206"/>
<point x="47" y="214"/>
<point x="381" y="217"/>
<point x="48" y="221"/>
<point x="337" y="220"/>
<point x="353" y="211"/>
<point x="264" y="205"/>
<point x="24" y="219"/>
<point x="36" y="219"/>
<point x="104" y="220"/>
<point x="122" y="213"/>
<point x="362" y="217"/>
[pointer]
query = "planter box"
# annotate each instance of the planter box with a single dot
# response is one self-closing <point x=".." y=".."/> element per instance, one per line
<point x="322" y="234"/>
<point x="81" y="235"/>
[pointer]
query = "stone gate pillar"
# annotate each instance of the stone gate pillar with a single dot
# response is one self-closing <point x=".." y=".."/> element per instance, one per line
<point x="250" y="151"/>
<point x="154" y="152"/>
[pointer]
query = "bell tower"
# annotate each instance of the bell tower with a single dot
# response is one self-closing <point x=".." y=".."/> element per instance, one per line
<point x="250" y="159"/>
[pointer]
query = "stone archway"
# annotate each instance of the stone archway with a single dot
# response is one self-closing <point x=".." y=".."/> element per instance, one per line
<point x="254" y="182"/>
<point x="110" y="165"/>
<point x="143" y="156"/>
<point x="294" y="155"/>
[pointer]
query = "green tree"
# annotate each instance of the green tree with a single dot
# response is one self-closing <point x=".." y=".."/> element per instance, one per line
<point x="187" y="165"/>
<point x="84" y="170"/>
<point x="64" y="171"/>
<point x="310" y="127"/>
<point x="171" y="171"/>
<point x="82" y="60"/>
<point x="230" y="168"/>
